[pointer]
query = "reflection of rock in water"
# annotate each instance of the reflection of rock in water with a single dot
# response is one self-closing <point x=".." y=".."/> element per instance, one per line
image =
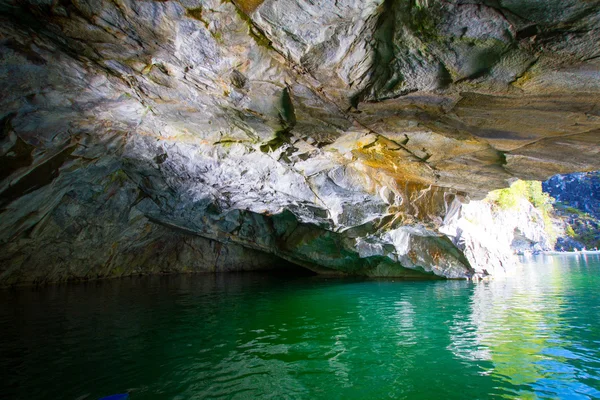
<point x="514" y="323"/>
<point x="306" y="130"/>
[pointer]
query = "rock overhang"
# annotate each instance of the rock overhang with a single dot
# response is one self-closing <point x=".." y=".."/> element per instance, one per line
<point x="358" y="118"/>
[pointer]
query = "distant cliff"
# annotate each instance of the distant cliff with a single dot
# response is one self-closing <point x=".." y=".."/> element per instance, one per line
<point x="577" y="209"/>
<point x="511" y="221"/>
<point x="562" y="214"/>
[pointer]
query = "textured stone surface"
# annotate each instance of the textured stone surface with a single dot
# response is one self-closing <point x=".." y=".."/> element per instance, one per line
<point x="577" y="209"/>
<point x="490" y="237"/>
<point x="579" y="190"/>
<point x="337" y="135"/>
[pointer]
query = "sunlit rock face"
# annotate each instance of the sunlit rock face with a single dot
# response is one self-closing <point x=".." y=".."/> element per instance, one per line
<point x="336" y="135"/>
<point x="578" y="208"/>
<point x="491" y="237"/>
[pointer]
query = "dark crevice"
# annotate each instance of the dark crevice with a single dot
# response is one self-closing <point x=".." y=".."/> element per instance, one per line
<point x="483" y="63"/>
<point x="383" y="70"/>
<point x="528" y="31"/>
<point x="19" y="156"/>
<point x="39" y="176"/>
<point x="288" y="269"/>
<point x="287" y="119"/>
<point x="444" y="79"/>
<point x="282" y="267"/>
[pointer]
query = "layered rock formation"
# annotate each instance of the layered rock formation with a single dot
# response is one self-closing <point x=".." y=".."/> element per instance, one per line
<point x="339" y="136"/>
<point x="492" y="237"/>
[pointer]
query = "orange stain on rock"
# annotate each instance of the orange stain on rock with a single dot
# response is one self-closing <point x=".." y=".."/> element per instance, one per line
<point x="248" y="6"/>
<point x="395" y="162"/>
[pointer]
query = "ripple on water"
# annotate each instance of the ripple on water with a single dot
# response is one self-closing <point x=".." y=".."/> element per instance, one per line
<point x="250" y="336"/>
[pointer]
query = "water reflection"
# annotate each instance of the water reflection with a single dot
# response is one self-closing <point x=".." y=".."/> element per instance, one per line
<point x="519" y="325"/>
<point x="532" y="335"/>
<point x="405" y="320"/>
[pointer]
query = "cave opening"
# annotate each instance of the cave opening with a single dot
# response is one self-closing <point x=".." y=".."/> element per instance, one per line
<point x="287" y="269"/>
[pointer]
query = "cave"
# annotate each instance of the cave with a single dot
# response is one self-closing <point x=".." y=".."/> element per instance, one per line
<point x="145" y="137"/>
<point x="299" y="199"/>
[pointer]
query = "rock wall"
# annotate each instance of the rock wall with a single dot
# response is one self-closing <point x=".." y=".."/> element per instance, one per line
<point x="93" y="230"/>
<point x="577" y="209"/>
<point x="491" y="237"/>
<point x="579" y="190"/>
<point x="339" y="136"/>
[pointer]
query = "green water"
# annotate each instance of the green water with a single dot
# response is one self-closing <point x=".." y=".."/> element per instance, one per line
<point x="536" y="335"/>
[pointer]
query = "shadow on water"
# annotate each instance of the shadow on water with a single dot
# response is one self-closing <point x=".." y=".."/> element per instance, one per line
<point x="303" y="337"/>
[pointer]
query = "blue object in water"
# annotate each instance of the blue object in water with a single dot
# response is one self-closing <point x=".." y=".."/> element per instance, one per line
<point x="121" y="396"/>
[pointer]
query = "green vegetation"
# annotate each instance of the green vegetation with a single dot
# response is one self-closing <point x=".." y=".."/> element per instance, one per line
<point x="570" y="210"/>
<point x="580" y="226"/>
<point x="588" y="235"/>
<point x="532" y="191"/>
<point x="423" y="19"/>
<point x="196" y="13"/>
<point x="509" y="198"/>
<point x="258" y="35"/>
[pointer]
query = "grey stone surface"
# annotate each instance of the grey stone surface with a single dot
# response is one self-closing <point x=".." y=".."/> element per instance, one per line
<point x="337" y="135"/>
<point x="491" y="237"/>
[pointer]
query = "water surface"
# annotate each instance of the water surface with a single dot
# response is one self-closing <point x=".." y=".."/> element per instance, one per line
<point x="535" y="335"/>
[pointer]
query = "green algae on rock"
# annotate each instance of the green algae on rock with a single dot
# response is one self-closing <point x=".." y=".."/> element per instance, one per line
<point x="367" y="124"/>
